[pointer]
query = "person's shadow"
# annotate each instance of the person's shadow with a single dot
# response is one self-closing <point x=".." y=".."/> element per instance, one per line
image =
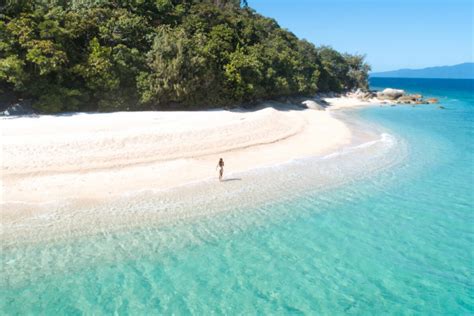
<point x="231" y="179"/>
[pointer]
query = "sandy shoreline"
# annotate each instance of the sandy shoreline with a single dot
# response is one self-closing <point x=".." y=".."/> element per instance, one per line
<point x="95" y="157"/>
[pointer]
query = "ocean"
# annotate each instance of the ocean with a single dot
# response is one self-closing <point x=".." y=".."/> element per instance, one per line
<point x="384" y="227"/>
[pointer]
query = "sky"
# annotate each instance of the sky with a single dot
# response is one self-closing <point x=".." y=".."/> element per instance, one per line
<point x="393" y="34"/>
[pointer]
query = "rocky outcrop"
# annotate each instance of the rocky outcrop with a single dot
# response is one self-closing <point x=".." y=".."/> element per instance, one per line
<point x="390" y="94"/>
<point x="22" y="107"/>
<point x="363" y="95"/>
<point x="315" y="104"/>
<point x="432" y="100"/>
<point x="409" y="98"/>
<point x="397" y="96"/>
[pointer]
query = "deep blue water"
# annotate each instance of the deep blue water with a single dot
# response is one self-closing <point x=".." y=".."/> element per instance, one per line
<point x="399" y="241"/>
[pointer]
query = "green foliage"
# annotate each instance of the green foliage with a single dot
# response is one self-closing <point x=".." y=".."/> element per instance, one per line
<point x="58" y="99"/>
<point x="45" y="55"/>
<point x="243" y="73"/>
<point x="178" y="71"/>
<point x="12" y="71"/>
<point x="98" y="69"/>
<point x="335" y="69"/>
<point x="358" y="73"/>
<point x="110" y="55"/>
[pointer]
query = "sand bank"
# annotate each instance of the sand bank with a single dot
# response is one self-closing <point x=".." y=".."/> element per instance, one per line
<point x="94" y="157"/>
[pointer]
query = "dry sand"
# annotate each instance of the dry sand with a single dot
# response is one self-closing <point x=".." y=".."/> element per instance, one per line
<point x="93" y="157"/>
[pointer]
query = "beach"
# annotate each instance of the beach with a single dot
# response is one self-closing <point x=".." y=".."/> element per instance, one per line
<point x="81" y="173"/>
<point x="97" y="156"/>
<point x="373" y="207"/>
<point x="236" y="158"/>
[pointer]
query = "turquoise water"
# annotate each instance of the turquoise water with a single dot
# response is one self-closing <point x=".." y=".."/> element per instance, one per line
<point x="396" y="241"/>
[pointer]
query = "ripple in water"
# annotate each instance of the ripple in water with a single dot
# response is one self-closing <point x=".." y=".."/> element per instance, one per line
<point x="368" y="230"/>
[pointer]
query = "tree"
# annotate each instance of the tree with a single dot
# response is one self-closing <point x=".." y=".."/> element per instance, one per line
<point x="109" y="55"/>
<point x="243" y="74"/>
<point x="335" y="69"/>
<point x="12" y="72"/>
<point x="358" y="74"/>
<point x="177" y="69"/>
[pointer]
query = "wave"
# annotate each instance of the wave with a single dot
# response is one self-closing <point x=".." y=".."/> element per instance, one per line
<point x="385" y="138"/>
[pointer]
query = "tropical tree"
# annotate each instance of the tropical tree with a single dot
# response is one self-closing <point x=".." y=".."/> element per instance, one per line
<point x="109" y="55"/>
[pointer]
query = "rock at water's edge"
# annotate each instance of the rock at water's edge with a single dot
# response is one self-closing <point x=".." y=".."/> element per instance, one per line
<point x="390" y="93"/>
<point x="23" y="107"/>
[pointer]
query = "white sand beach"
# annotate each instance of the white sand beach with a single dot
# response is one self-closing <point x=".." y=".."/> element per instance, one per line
<point x="346" y="102"/>
<point x="94" y="157"/>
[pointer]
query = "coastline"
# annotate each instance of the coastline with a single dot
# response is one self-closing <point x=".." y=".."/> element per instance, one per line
<point x="81" y="155"/>
<point x="92" y="189"/>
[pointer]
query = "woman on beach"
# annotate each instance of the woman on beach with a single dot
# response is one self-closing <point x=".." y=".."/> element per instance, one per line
<point x="220" y="165"/>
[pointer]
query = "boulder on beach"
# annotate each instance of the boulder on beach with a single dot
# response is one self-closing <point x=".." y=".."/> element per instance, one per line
<point x="367" y="95"/>
<point x="319" y="105"/>
<point x="359" y="93"/>
<point x="407" y="99"/>
<point x="411" y="99"/>
<point x="432" y="100"/>
<point x="390" y="93"/>
<point x="22" y="107"/>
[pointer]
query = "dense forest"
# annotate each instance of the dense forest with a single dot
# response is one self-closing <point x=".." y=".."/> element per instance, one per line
<point x="108" y="55"/>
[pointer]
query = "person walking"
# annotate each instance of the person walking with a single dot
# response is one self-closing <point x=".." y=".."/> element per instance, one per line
<point x="220" y="165"/>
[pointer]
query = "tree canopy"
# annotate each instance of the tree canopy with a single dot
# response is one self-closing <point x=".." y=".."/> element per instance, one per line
<point x="111" y="55"/>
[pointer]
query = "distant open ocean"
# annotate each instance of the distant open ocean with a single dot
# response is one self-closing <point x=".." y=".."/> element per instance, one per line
<point x="396" y="239"/>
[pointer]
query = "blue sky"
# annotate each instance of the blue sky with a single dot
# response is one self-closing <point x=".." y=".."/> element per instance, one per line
<point x="392" y="33"/>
